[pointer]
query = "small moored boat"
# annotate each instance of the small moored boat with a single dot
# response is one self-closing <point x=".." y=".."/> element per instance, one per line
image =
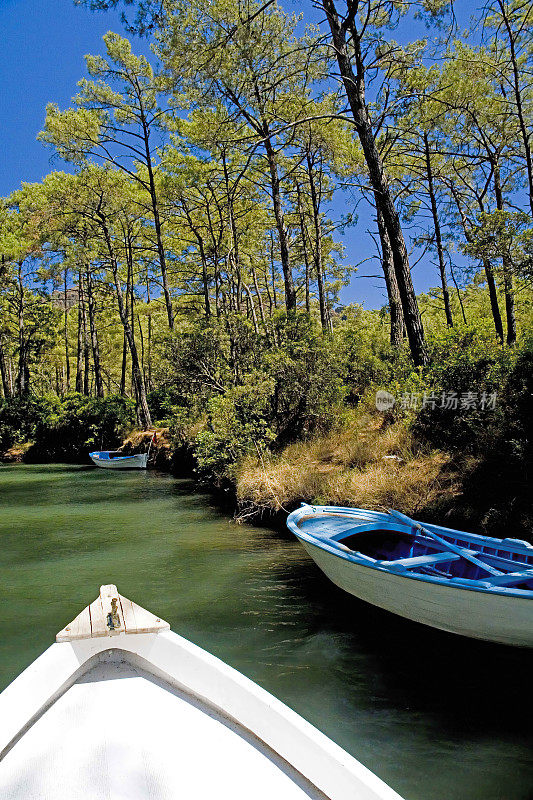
<point x="121" y="707"/>
<point x="115" y="459"/>
<point x="468" y="584"/>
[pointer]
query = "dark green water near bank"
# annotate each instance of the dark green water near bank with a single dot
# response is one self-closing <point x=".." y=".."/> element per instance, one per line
<point x="437" y="717"/>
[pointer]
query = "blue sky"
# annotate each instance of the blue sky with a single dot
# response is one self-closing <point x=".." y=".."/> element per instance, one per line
<point x="41" y="59"/>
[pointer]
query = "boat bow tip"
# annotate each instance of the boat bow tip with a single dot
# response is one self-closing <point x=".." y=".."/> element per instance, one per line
<point x="109" y="615"/>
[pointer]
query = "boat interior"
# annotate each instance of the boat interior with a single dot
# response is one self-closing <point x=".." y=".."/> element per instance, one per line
<point x="397" y="548"/>
<point x="121" y="733"/>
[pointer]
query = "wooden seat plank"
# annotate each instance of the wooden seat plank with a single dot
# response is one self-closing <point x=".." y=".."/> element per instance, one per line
<point x="422" y="561"/>
<point x="511" y="577"/>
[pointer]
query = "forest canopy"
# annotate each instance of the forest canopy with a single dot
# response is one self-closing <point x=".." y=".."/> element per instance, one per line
<point x="186" y="254"/>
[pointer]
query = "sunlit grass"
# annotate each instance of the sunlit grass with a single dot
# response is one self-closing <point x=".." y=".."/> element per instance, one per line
<point x="360" y="463"/>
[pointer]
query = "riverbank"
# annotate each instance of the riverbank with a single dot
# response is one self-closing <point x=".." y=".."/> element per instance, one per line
<point x="476" y="480"/>
<point x="365" y="461"/>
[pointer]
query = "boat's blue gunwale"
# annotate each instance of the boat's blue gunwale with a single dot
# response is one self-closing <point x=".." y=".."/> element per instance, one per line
<point x="308" y="511"/>
<point x="100" y="454"/>
<point x="512" y="545"/>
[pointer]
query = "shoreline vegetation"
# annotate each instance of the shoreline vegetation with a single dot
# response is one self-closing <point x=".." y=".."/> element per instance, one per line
<point x="185" y="271"/>
<point x="455" y="464"/>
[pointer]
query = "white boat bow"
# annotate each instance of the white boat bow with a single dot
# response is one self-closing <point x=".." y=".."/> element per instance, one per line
<point x="124" y="709"/>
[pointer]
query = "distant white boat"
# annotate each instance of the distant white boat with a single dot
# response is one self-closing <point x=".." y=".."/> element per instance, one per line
<point x="115" y="459"/>
<point x="122" y="708"/>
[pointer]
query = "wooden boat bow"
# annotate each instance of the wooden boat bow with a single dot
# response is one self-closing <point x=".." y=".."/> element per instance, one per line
<point x="109" y="615"/>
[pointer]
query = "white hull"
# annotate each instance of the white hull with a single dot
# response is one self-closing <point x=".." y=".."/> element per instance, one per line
<point x="480" y="615"/>
<point x="137" y="461"/>
<point x="150" y="716"/>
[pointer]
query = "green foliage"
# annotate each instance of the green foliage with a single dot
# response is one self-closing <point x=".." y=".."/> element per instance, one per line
<point x="237" y="425"/>
<point x="498" y="488"/>
<point x="21" y="416"/>
<point x="77" y="424"/>
<point x="365" y="356"/>
<point x="503" y="235"/>
<point x="462" y="388"/>
<point x="253" y="392"/>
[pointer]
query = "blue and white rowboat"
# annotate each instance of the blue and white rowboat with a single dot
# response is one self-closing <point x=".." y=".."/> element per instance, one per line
<point x="113" y="459"/>
<point x="464" y="583"/>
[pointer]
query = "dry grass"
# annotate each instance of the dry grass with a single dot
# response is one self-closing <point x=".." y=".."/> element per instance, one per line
<point x="161" y="449"/>
<point x="351" y="466"/>
<point x="16" y="453"/>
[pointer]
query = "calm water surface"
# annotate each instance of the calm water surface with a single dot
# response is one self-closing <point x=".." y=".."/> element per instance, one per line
<point x="437" y="717"/>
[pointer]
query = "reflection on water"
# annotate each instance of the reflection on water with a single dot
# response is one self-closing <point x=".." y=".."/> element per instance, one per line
<point x="436" y="716"/>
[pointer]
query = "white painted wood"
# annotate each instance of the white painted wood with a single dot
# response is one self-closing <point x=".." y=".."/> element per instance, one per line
<point x="500" y="618"/>
<point x="79" y="628"/>
<point x="130" y="765"/>
<point x="49" y="706"/>
<point x="112" y="610"/>
<point x="127" y="617"/>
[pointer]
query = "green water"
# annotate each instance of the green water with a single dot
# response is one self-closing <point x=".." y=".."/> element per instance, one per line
<point x="438" y="717"/>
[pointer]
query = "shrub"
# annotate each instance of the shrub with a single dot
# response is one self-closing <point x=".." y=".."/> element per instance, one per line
<point x="294" y="391"/>
<point x="20" y="417"/>
<point x="237" y="425"/>
<point x="465" y="381"/>
<point x="79" y="424"/>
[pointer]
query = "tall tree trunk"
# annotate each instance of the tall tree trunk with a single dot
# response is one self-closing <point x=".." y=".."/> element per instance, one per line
<point x="251" y="307"/>
<point x="235" y="255"/>
<point x="259" y="298"/>
<point x="3" y="371"/>
<point x="124" y="366"/>
<point x="303" y="234"/>
<point x="138" y="378"/>
<point x="10" y="375"/>
<point x="149" y="335"/>
<point x="458" y="293"/>
<point x="86" y="363"/>
<point x="65" y="330"/>
<point x="438" y="236"/>
<point x="525" y="133"/>
<point x="79" y="352"/>
<point x="508" y="287"/>
<point x="267" y="287"/>
<point x="203" y="258"/>
<point x="315" y="201"/>
<point x="393" y="293"/>
<point x="205" y="284"/>
<point x="141" y="337"/>
<point x="23" y="376"/>
<point x="94" y="335"/>
<point x="489" y="272"/>
<point x="354" y="84"/>
<point x="493" y="295"/>
<point x="273" y="271"/>
<point x="157" y="219"/>
<point x="290" y="291"/>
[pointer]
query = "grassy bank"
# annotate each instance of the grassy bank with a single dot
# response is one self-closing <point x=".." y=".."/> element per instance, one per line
<point x="363" y="462"/>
